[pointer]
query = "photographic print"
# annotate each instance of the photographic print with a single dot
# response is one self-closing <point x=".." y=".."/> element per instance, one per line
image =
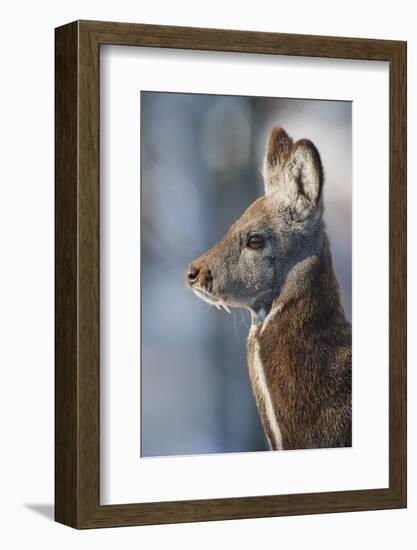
<point x="212" y="192"/>
<point x="245" y="274"/>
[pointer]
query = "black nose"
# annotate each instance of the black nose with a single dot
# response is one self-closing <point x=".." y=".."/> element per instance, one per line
<point x="193" y="274"/>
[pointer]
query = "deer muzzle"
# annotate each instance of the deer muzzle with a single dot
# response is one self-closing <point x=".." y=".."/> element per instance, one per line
<point x="199" y="275"/>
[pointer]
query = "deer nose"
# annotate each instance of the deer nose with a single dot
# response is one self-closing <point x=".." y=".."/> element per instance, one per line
<point x="193" y="274"/>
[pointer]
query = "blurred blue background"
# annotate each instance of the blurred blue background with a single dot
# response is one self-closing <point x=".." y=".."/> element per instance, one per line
<point x="200" y="169"/>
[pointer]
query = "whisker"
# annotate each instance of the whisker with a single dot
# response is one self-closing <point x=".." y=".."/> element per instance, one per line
<point x="234" y="324"/>
<point x="243" y="320"/>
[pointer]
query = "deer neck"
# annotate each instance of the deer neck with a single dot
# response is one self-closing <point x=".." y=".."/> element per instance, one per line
<point x="308" y="298"/>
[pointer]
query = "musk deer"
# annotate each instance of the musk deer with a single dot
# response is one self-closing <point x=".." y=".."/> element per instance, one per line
<point x="276" y="262"/>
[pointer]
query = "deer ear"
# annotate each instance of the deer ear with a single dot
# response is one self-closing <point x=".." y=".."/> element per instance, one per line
<point x="294" y="172"/>
<point x="277" y="152"/>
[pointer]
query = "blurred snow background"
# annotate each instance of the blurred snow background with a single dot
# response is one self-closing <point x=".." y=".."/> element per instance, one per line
<point x="200" y="169"/>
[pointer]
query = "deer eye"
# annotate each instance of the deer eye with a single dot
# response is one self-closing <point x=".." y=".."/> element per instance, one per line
<point x="255" y="242"/>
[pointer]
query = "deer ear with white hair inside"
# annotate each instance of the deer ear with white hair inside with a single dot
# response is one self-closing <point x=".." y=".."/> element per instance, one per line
<point x="293" y="173"/>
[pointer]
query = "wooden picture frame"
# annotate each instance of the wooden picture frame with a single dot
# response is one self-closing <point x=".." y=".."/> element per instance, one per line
<point x="77" y="372"/>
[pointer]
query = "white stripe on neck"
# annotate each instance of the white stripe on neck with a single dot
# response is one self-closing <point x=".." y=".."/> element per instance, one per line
<point x="260" y="378"/>
<point x="270" y="316"/>
<point x="266" y="397"/>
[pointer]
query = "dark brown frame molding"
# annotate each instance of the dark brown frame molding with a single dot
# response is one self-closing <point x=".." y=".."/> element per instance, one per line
<point x="77" y="371"/>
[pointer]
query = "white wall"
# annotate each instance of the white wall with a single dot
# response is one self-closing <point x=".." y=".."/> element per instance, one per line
<point x="26" y="273"/>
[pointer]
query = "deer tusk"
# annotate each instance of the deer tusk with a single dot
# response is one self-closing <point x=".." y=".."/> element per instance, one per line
<point x="226" y="308"/>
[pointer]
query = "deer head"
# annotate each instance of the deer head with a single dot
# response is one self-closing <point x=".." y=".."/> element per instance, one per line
<point x="260" y="253"/>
